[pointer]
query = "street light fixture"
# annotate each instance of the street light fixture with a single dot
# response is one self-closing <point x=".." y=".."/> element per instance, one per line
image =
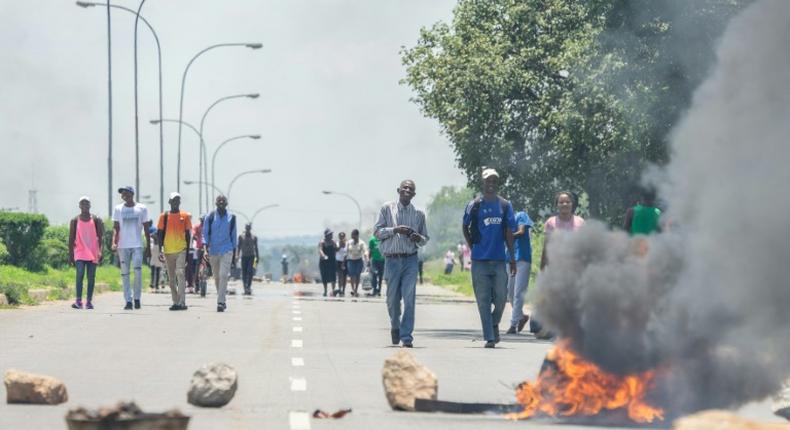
<point x="192" y="127"/>
<point x="188" y="182"/>
<point x="204" y="162"/>
<point x="261" y="209"/>
<point x="214" y="156"/>
<point x="248" y="172"/>
<point x="161" y="127"/>
<point x="183" y="84"/>
<point x="359" y="208"/>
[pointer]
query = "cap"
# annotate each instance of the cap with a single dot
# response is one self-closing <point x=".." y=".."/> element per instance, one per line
<point x="85" y="199"/>
<point x="128" y="189"/>
<point x="327" y="232"/>
<point x="174" y="194"/>
<point x="490" y="172"/>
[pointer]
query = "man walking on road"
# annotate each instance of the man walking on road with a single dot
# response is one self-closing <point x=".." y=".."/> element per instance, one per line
<point x="248" y="249"/>
<point x="376" y="261"/>
<point x="517" y="285"/>
<point x="401" y="229"/>
<point x="130" y="220"/>
<point x="488" y="225"/>
<point x="219" y="239"/>
<point x="174" y="228"/>
<point x="86" y="232"/>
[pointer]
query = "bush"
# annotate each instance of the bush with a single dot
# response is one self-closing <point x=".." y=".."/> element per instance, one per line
<point x="15" y="293"/>
<point x="21" y="234"/>
<point x="56" y="246"/>
<point x="3" y="254"/>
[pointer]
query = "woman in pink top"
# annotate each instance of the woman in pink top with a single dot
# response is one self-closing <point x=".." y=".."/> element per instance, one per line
<point x="85" y="236"/>
<point x="564" y="220"/>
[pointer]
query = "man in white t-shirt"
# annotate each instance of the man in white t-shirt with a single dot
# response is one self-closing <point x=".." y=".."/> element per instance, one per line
<point x="130" y="221"/>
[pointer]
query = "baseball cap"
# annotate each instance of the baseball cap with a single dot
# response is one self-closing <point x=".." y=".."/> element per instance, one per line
<point x="174" y="194"/>
<point x="85" y="198"/>
<point x="128" y="189"/>
<point x="490" y="172"/>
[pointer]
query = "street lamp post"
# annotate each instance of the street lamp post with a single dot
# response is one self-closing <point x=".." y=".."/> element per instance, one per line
<point x="202" y="147"/>
<point x="214" y="156"/>
<point x="261" y="209"/>
<point x="161" y="126"/>
<point x="248" y="172"/>
<point x="203" y="164"/>
<point x="359" y="224"/>
<point x="187" y="182"/>
<point x="181" y="102"/>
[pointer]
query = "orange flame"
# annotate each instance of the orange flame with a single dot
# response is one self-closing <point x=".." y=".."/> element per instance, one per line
<point x="570" y="386"/>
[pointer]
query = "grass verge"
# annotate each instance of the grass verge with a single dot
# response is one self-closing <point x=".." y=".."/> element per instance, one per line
<point x="16" y="282"/>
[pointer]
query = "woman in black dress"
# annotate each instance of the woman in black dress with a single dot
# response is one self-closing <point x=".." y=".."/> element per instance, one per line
<point x="327" y="248"/>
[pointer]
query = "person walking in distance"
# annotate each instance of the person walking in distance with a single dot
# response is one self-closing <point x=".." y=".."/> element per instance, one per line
<point x="85" y="249"/>
<point x="327" y="264"/>
<point x="461" y="249"/>
<point x="248" y="249"/>
<point x="284" y="268"/>
<point x="376" y="261"/>
<point x="401" y="230"/>
<point x="355" y="260"/>
<point x="175" y="228"/>
<point x="449" y="262"/>
<point x="488" y="226"/>
<point x="517" y="285"/>
<point x="130" y="220"/>
<point x="155" y="262"/>
<point x="219" y="241"/>
<point x="342" y="273"/>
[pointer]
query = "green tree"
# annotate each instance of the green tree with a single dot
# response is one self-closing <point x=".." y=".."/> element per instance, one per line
<point x="563" y="94"/>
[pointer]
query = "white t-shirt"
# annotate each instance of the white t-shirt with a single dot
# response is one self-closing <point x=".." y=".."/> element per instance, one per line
<point x="131" y="220"/>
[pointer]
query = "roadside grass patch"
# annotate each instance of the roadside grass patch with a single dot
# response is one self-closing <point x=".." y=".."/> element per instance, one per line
<point x="16" y="282"/>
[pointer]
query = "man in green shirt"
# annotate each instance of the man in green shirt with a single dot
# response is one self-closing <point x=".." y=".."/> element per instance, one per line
<point x="376" y="266"/>
<point x="644" y="217"/>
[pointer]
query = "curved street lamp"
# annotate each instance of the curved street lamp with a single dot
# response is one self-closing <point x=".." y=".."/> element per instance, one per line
<point x="214" y="156"/>
<point x="200" y="137"/>
<point x="248" y="172"/>
<point x="183" y="84"/>
<point x="261" y="209"/>
<point x="188" y="182"/>
<point x="204" y="163"/>
<point x="359" y="209"/>
<point x="161" y="127"/>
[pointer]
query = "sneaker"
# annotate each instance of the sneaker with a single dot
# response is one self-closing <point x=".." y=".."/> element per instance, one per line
<point x="128" y="306"/>
<point x="220" y="307"/>
<point x="522" y="322"/>
<point x="137" y="304"/>
<point x="395" y="334"/>
<point x="407" y="344"/>
<point x="77" y="304"/>
<point x="512" y="330"/>
<point x="490" y="344"/>
<point x="173" y="308"/>
<point x="89" y="305"/>
<point x="182" y="307"/>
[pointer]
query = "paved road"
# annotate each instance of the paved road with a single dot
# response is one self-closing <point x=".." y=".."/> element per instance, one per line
<point x="149" y="355"/>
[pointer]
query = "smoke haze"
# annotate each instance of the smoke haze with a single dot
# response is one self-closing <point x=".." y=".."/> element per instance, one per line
<point x="708" y="303"/>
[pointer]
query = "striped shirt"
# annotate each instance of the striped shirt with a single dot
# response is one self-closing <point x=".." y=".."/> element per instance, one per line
<point x="393" y="214"/>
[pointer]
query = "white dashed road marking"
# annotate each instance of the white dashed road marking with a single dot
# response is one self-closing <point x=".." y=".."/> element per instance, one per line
<point x="298" y="384"/>
<point x="298" y="329"/>
<point x="297" y="318"/>
<point x="296" y="343"/>
<point x="299" y="420"/>
<point x="297" y="361"/>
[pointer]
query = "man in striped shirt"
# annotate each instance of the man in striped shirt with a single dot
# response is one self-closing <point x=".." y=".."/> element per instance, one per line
<point x="401" y="231"/>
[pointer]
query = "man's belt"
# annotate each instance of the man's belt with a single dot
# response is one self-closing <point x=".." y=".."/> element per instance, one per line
<point x="401" y="255"/>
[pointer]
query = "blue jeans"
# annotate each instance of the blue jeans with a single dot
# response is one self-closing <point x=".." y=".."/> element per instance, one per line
<point x="401" y="275"/>
<point x="489" y="281"/>
<point x="131" y="258"/>
<point x="376" y="275"/>
<point x="517" y="288"/>
<point x="81" y="266"/>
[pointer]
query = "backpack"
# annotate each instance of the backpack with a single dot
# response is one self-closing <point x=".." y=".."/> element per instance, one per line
<point x="472" y="229"/>
<point x="230" y="230"/>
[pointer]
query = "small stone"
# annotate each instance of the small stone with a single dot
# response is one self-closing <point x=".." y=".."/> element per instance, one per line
<point x="23" y="387"/>
<point x="213" y="385"/>
<point x="405" y="380"/>
<point x="722" y="420"/>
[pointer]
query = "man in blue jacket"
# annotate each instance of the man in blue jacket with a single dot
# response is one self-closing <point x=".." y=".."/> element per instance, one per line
<point x="219" y="241"/>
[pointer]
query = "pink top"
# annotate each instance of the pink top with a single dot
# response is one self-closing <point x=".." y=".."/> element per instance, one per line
<point x="86" y="244"/>
<point x="555" y="223"/>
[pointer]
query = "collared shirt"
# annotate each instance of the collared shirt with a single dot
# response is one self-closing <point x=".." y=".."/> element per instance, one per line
<point x="393" y="214"/>
<point x="223" y="235"/>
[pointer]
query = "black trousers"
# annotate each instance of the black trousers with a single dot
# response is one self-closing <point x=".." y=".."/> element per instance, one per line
<point x="247" y="271"/>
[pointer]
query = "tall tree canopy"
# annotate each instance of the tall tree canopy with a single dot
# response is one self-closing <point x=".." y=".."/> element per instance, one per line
<point x="564" y="94"/>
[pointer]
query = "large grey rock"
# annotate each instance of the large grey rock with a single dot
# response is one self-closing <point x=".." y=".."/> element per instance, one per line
<point x="781" y="404"/>
<point x="213" y="385"/>
<point x="23" y="387"/>
<point x="405" y="379"/>
<point x="722" y="420"/>
<point x="3" y="299"/>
